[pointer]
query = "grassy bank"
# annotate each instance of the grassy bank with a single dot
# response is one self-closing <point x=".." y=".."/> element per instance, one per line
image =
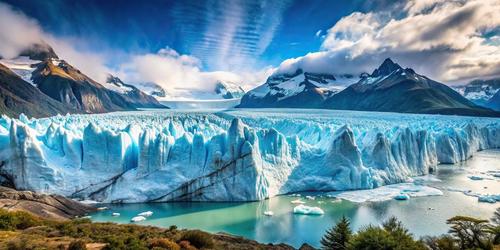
<point x="22" y="230"/>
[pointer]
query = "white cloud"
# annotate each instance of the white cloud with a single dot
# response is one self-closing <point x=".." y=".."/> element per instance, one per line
<point x="318" y="33"/>
<point x="443" y="39"/>
<point x="17" y="31"/>
<point x="167" y="67"/>
<point x="181" y="73"/>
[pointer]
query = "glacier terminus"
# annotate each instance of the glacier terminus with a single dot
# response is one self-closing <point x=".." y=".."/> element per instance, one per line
<point x="232" y="155"/>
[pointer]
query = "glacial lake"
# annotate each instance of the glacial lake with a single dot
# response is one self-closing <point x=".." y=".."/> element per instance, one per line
<point x="422" y="215"/>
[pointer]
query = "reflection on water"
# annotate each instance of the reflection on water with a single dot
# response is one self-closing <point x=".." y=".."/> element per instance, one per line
<point x="423" y="215"/>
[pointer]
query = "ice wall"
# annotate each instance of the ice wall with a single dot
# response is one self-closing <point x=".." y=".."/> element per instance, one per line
<point x="230" y="156"/>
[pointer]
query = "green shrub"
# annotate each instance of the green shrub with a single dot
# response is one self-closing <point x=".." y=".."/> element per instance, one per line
<point x="471" y="233"/>
<point x="77" y="245"/>
<point x="163" y="244"/>
<point x="17" y="220"/>
<point x="444" y="242"/>
<point x="185" y="245"/>
<point x="198" y="238"/>
<point x="338" y="236"/>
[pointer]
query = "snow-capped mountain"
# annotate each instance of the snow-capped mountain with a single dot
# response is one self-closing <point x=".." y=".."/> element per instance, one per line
<point x="134" y="95"/>
<point x="391" y="88"/>
<point x="41" y="67"/>
<point x="18" y="96"/>
<point x="22" y="66"/>
<point x="479" y="91"/>
<point x="221" y="90"/>
<point x="494" y="102"/>
<point x="298" y="90"/>
<point x="228" y="90"/>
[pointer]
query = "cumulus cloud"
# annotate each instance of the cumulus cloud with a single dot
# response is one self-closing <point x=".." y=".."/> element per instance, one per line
<point x="17" y="31"/>
<point x="167" y="68"/>
<point x="178" y="73"/>
<point x="448" y="40"/>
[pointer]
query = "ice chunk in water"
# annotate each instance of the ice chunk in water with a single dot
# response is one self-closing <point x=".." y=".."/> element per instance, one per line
<point x="303" y="209"/>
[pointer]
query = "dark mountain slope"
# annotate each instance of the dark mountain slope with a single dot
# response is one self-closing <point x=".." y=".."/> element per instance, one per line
<point x="66" y="84"/>
<point x="298" y="90"/>
<point x="391" y="88"/>
<point x="132" y="95"/>
<point x="18" y="96"/>
<point x="494" y="102"/>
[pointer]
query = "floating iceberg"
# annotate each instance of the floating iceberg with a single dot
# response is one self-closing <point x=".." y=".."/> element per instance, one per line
<point x="235" y="155"/>
<point x="303" y="209"/>
<point x="115" y="214"/>
<point x="476" y="178"/>
<point x="402" y="197"/>
<point x="268" y="213"/>
<point x="489" y="198"/>
<point x="402" y="191"/>
<point x="138" y="219"/>
<point x="146" y="214"/>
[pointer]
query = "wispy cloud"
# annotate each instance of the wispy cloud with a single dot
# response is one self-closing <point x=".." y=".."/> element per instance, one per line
<point x="166" y="67"/>
<point x="228" y="35"/>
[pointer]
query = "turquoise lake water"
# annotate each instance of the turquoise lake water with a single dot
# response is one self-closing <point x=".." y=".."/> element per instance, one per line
<point x="422" y="215"/>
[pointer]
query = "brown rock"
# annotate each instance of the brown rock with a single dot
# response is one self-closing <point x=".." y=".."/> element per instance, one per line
<point x="46" y="206"/>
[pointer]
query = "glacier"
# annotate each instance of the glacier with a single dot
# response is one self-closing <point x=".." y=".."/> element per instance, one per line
<point x="231" y="155"/>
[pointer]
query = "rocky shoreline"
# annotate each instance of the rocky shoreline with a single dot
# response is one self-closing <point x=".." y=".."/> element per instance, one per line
<point x="52" y="207"/>
<point x="61" y="209"/>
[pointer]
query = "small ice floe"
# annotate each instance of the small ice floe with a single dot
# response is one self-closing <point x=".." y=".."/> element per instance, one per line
<point x="303" y="209"/>
<point x="138" y="218"/>
<point x="389" y="192"/>
<point x="294" y="195"/>
<point x="488" y="198"/>
<point x="321" y="202"/>
<point x="475" y="178"/>
<point x="115" y="214"/>
<point x="297" y="201"/>
<point x="102" y="208"/>
<point x="146" y="214"/>
<point x="336" y="200"/>
<point x="402" y="197"/>
<point x="87" y="217"/>
<point x="268" y="213"/>
<point x="310" y="197"/>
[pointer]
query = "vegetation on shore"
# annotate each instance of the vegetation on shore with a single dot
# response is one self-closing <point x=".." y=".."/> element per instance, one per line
<point x="22" y="230"/>
<point x="465" y="233"/>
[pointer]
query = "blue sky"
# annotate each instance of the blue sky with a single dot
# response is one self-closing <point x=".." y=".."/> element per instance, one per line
<point x="192" y="44"/>
<point x="266" y="32"/>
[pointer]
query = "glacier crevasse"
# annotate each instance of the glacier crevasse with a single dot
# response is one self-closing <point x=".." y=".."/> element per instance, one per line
<point x="230" y="156"/>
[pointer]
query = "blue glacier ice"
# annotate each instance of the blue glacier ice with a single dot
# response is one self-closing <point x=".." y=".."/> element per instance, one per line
<point x="233" y="155"/>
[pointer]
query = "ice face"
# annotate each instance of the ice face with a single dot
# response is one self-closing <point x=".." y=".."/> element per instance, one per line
<point x="232" y="155"/>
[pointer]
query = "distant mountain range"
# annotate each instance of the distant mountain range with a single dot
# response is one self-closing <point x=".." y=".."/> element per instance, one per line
<point x="222" y="90"/>
<point x="298" y="90"/>
<point x="494" y="102"/>
<point x="481" y="92"/>
<point x="39" y="83"/>
<point x="57" y="87"/>
<point x="390" y="88"/>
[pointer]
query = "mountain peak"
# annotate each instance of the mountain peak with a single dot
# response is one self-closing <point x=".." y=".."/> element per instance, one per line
<point x="39" y="51"/>
<point x="386" y="68"/>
